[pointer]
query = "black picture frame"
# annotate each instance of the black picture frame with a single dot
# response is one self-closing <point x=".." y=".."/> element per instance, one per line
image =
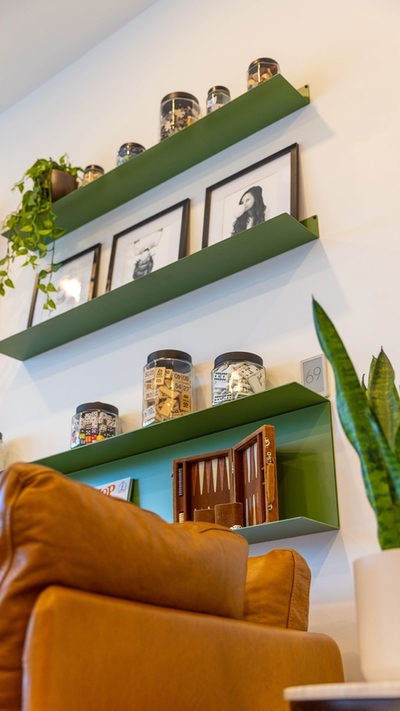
<point x="270" y="185"/>
<point x="76" y="282"/>
<point x="149" y="245"/>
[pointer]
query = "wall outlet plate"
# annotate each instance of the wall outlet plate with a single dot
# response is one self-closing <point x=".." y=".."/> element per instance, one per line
<point x="313" y="374"/>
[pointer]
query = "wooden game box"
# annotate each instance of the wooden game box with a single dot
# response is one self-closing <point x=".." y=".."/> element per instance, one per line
<point x="245" y="473"/>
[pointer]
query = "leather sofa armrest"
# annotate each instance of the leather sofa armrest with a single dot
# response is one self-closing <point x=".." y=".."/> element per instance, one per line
<point x="84" y="651"/>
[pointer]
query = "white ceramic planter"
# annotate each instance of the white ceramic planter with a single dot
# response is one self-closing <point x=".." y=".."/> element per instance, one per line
<point x="377" y="588"/>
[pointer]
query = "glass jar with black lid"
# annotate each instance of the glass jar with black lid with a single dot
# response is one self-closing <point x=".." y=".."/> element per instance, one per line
<point x="235" y="375"/>
<point x="178" y="110"/>
<point x="128" y="151"/>
<point x="92" y="172"/>
<point x="167" y="385"/>
<point x="217" y="97"/>
<point x="260" y="70"/>
<point x="94" y="422"/>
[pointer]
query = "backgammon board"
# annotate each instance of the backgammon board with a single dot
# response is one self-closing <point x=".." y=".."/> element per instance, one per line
<point x="245" y="473"/>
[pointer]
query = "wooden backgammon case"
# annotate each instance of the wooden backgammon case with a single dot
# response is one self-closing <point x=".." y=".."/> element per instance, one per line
<point x="245" y="474"/>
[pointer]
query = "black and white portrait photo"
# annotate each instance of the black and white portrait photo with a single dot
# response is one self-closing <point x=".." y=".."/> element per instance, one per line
<point x="149" y="245"/>
<point x="253" y="195"/>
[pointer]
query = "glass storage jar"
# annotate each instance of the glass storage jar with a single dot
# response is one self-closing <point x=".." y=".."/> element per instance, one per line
<point x="236" y="375"/>
<point x="217" y="96"/>
<point x="261" y="70"/>
<point x="93" y="422"/>
<point x="91" y="172"/>
<point x="167" y="386"/>
<point x="128" y="151"/>
<point x="178" y="110"/>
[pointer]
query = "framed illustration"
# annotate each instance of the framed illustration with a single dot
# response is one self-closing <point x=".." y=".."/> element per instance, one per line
<point x="75" y="281"/>
<point x="264" y="190"/>
<point x="149" y="245"/>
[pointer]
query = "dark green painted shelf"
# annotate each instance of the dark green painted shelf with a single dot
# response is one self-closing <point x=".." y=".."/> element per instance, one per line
<point x="278" y="235"/>
<point x="213" y="133"/>
<point x="288" y="528"/>
<point x="306" y="469"/>
<point x="306" y="457"/>
<point x="277" y="401"/>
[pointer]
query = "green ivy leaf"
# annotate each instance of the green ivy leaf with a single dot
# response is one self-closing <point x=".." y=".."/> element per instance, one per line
<point x="34" y="222"/>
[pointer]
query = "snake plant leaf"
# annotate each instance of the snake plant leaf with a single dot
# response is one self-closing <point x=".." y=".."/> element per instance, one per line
<point x="383" y="397"/>
<point x="397" y="444"/>
<point x="379" y="465"/>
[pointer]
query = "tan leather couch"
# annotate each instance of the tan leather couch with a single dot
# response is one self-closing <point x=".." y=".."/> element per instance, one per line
<point x="106" y="607"/>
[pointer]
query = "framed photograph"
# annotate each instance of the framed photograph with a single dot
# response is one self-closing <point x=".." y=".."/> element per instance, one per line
<point x="75" y="281"/>
<point x="149" y="245"/>
<point x="264" y="190"/>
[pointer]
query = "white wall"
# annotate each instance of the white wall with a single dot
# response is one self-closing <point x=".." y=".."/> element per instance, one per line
<point x="349" y="54"/>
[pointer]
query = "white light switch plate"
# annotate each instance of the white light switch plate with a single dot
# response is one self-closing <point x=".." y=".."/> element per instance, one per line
<point x="313" y="374"/>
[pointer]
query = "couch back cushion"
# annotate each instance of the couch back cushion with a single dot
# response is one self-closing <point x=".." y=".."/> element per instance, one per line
<point x="278" y="589"/>
<point x="56" y="531"/>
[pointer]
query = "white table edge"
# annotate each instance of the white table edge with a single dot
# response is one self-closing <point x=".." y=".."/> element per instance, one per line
<point x="349" y="690"/>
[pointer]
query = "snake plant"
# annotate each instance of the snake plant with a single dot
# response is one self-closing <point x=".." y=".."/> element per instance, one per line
<point x="370" y="416"/>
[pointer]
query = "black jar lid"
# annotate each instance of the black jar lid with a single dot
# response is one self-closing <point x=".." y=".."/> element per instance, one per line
<point x="130" y="144"/>
<point x="179" y="355"/>
<point x="267" y="60"/>
<point x="94" y="167"/>
<point x="97" y="406"/>
<point x="179" y="95"/>
<point x="238" y="356"/>
<point x="218" y="87"/>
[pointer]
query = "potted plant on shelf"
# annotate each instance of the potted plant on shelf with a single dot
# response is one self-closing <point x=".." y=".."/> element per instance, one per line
<point x="370" y="416"/>
<point x="31" y="230"/>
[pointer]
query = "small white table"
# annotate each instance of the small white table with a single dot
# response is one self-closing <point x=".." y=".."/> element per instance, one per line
<point x="356" y="696"/>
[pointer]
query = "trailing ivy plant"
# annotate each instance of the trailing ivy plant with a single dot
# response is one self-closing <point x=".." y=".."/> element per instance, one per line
<point x="370" y="417"/>
<point x="31" y="230"/>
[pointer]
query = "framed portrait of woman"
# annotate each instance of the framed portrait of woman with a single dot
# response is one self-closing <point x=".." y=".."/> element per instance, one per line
<point x="253" y="195"/>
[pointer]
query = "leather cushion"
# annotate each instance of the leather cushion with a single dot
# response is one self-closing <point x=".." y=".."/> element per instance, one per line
<point x="278" y="589"/>
<point x="56" y="531"/>
<point x="156" y="659"/>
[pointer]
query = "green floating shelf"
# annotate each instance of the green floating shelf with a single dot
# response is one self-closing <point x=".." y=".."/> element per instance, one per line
<point x="213" y="133"/>
<point x="305" y="456"/>
<point x="287" y="528"/>
<point x="262" y="242"/>
<point x="271" y="403"/>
